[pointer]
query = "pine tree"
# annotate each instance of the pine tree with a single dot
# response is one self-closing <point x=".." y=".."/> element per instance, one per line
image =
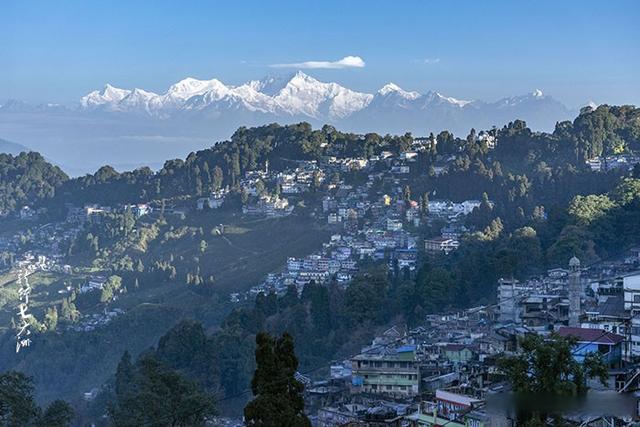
<point x="278" y="395"/>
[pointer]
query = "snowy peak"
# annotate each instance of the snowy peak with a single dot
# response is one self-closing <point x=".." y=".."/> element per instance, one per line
<point x="111" y="92"/>
<point x="304" y="95"/>
<point x="186" y="88"/>
<point x="300" y="79"/>
<point x="451" y="100"/>
<point x="537" y="96"/>
<point x="394" y="89"/>
<point x="298" y="96"/>
<point x="108" y="95"/>
<point x="389" y="88"/>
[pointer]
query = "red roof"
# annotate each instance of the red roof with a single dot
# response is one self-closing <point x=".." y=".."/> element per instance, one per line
<point x="596" y="336"/>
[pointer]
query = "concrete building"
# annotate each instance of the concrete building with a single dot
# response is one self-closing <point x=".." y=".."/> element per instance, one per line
<point x="387" y="371"/>
<point x="631" y="292"/>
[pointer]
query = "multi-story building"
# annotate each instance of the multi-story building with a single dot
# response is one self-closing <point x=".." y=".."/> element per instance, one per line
<point x="387" y="371"/>
<point x="631" y="289"/>
<point x="510" y="292"/>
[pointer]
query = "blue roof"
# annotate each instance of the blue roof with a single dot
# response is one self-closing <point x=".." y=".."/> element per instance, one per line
<point x="406" y="348"/>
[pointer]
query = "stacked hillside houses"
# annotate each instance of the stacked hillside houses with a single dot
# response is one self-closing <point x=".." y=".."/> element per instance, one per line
<point x="445" y="372"/>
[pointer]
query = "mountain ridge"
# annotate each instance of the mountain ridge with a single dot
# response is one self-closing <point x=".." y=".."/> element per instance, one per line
<point x="295" y="95"/>
<point x="195" y="113"/>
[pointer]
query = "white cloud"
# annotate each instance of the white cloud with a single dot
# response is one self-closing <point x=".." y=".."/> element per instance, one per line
<point x="346" y="62"/>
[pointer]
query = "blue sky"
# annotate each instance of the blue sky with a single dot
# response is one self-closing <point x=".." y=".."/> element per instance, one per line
<point x="576" y="51"/>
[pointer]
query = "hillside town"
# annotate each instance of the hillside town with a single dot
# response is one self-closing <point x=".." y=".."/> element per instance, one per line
<point x="369" y="225"/>
<point x="445" y="373"/>
<point x="325" y="214"/>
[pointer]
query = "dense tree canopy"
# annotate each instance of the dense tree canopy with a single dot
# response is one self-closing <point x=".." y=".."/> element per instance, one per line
<point x="150" y="393"/>
<point x="26" y="178"/>
<point x="18" y="407"/>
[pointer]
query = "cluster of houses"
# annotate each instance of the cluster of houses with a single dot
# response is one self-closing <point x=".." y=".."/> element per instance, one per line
<point x="606" y="297"/>
<point x="445" y="371"/>
<point x="335" y="261"/>
<point x="368" y="224"/>
<point x="608" y="163"/>
<point x="90" y="322"/>
<point x="301" y="179"/>
<point x="270" y="206"/>
<point x="43" y="254"/>
<point x="47" y="240"/>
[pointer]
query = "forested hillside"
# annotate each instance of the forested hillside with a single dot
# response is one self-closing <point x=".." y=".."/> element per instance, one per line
<point x="27" y="178"/>
<point x="541" y="203"/>
<point x="603" y="131"/>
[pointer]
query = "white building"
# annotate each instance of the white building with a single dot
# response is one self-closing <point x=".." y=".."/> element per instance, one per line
<point x="631" y="289"/>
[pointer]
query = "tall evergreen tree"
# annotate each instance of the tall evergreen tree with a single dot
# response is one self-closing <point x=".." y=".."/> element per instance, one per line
<point x="278" y="398"/>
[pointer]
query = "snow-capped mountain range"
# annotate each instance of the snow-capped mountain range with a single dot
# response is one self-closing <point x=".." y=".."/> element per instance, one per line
<point x="125" y="127"/>
<point x="301" y="96"/>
